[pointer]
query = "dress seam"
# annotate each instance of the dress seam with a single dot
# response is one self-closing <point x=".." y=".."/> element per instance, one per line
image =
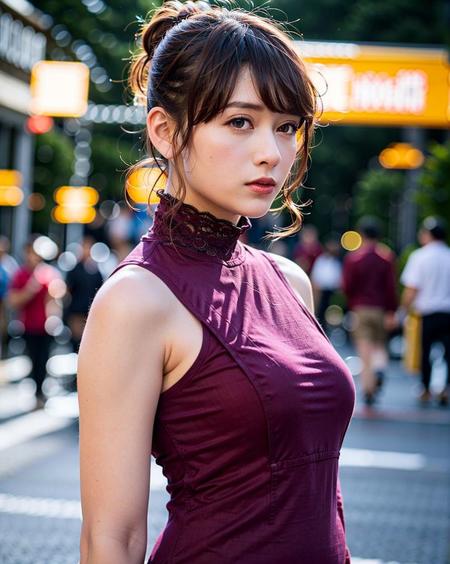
<point x="285" y="281"/>
<point x="192" y="309"/>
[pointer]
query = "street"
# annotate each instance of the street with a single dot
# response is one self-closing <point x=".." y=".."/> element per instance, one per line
<point x="395" y="476"/>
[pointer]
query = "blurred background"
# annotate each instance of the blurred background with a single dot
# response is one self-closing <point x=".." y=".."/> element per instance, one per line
<point x="381" y="160"/>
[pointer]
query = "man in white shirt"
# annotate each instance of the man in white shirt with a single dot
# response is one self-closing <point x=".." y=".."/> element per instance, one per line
<point x="326" y="277"/>
<point x="426" y="278"/>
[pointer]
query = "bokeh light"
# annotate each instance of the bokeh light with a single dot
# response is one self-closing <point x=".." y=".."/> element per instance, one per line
<point x="100" y="252"/>
<point x="57" y="288"/>
<point x="67" y="261"/>
<point x="53" y="325"/>
<point x="109" y="209"/>
<point x="45" y="247"/>
<point x="351" y="240"/>
<point x="36" y="201"/>
<point x="141" y="181"/>
<point x="401" y="156"/>
<point x="39" y="124"/>
<point x="334" y="315"/>
<point x="15" y="328"/>
<point x="354" y="364"/>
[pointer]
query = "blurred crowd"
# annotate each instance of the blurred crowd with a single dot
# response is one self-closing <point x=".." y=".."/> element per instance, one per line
<point x="45" y="297"/>
<point x="361" y="296"/>
<point x="375" y="300"/>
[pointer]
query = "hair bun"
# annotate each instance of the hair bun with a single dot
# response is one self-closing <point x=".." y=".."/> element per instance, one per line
<point x="164" y="18"/>
<point x="190" y="8"/>
<point x="169" y="15"/>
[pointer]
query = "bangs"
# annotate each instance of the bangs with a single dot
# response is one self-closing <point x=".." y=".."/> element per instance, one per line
<point x="277" y="72"/>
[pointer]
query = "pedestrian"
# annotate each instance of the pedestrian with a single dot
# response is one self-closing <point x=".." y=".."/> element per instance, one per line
<point x="369" y="284"/>
<point x="29" y="295"/>
<point x="4" y="281"/>
<point x="7" y="261"/>
<point x="200" y="349"/>
<point x="82" y="282"/>
<point x="8" y="265"/>
<point x="308" y="248"/>
<point x="326" y="277"/>
<point x="426" y="281"/>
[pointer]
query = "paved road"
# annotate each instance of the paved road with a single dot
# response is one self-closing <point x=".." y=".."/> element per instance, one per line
<point x="395" y="468"/>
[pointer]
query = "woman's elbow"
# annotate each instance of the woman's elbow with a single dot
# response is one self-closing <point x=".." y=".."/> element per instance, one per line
<point x="109" y="547"/>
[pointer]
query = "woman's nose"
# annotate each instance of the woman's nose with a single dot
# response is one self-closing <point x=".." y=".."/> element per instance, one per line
<point x="267" y="150"/>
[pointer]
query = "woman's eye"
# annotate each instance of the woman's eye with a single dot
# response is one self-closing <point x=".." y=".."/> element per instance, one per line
<point x="239" y="122"/>
<point x="290" y="128"/>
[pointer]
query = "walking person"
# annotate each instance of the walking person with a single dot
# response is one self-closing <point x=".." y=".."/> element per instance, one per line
<point x="82" y="282"/>
<point x="308" y="248"/>
<point x="8" y="266"/>
<point x="29" y="296"/>
<point x="370" y="288"/>
<point x="326" y="278"/>
<point x="426" y="281"/>
<point x="205" y="351"/>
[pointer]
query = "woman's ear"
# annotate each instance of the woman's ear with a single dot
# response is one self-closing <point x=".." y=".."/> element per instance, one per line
<point x="160" y="128"/>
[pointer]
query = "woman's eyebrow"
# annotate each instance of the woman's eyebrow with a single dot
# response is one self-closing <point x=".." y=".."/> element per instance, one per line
<point x="245" y="105"/>
<point x="251" y="106"/>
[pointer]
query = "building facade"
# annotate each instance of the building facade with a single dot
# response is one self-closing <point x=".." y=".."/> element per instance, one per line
<point x="23" y="42"/>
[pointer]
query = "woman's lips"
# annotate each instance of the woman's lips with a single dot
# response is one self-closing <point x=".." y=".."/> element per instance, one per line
<point x="261" y="188"/>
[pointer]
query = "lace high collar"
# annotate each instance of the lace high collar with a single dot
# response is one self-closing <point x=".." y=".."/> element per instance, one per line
<point x="194" y="230"/>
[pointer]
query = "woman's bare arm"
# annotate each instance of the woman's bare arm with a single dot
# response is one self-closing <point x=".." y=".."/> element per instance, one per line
<point x="120" y="370"/>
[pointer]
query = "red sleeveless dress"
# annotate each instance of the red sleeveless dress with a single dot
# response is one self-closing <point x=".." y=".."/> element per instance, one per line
<point x="249" y="438"/>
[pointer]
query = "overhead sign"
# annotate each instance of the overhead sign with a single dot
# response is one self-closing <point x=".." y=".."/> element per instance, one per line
<point x="377" y="85"/>
<point x="59" y="88"/>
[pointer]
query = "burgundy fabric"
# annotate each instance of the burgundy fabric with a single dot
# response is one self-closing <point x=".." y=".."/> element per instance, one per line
<point x="249" y="438"/>
<point x="369" y="277"/>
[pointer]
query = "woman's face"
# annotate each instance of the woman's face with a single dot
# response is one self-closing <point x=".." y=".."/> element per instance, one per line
<point x="246" y="142"/>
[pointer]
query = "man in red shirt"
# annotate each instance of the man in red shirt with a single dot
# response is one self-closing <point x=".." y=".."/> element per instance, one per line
<point x="370" y="287"/>
<point x="28" y="294"/>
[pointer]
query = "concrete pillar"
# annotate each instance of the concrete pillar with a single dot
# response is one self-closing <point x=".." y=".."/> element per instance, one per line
<point x="407" y="224"/>
<point x="23" y="162"/>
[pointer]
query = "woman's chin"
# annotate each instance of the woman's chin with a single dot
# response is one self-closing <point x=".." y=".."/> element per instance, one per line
<point x="256" y="210"/>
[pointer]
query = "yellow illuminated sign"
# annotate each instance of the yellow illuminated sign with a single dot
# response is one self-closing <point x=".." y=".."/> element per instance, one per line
<point x="10" y="196"/>
<point x="377" y="85"/>
<point x="59" y="88"/>
<point x="10" y="177"/>
<point x="141" y="181"/>
<point x="75" y="204"/>
<point x="11" y="193"/>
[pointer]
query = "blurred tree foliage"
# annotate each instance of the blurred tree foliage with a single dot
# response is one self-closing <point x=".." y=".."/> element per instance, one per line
<point x="433" y="197"/>
<point x="377" y="194"/>
<point x="110" y="33"/>
<point x="342" y="154"/>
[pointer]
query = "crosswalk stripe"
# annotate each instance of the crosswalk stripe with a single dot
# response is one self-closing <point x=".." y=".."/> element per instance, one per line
<point x="29" y="427"/>
<point x="382" y="459"/>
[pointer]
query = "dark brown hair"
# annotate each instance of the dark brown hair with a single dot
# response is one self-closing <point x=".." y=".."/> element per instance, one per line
<point x="189" y="63"/>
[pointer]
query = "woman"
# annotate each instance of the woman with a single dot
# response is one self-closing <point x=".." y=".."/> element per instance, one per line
<point x="204" y="351"/>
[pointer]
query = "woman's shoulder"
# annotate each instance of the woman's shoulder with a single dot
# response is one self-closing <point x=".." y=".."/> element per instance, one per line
<point x="297" y="278"/>
<point x="135" y="292"/>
